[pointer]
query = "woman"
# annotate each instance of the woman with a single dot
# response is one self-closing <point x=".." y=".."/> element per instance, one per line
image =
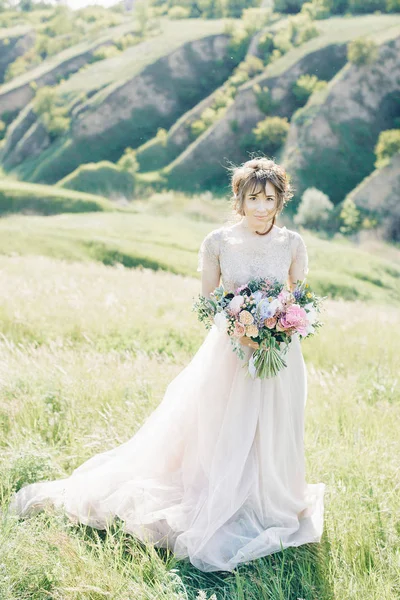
<point x="216" y="472"/>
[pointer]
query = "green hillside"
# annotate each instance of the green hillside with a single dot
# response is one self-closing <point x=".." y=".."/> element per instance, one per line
<point x="170" y="243"/>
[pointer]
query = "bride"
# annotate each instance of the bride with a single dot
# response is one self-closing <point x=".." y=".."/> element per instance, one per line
<point x="216" y="473"/>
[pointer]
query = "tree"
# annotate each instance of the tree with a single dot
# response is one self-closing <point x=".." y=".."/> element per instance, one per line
<point x="362" y="51"/>
<point x="270" y="134"/>
<point x="51" y="112"/>
<point x="387" y="146"/>
<point x="305" y="86"/>
<point x="314" y="209"/>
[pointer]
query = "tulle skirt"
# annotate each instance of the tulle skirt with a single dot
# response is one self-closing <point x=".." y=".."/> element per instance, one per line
<point x="216" y="472"/>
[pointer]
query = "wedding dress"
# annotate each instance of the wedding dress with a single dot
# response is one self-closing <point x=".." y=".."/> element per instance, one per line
<point x="216" y="472"/>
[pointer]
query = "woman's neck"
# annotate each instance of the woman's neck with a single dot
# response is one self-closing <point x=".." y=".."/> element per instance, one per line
<point x="262" y="229"/>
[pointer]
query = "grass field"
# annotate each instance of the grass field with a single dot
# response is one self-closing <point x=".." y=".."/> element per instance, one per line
<point x="87" y="350"/>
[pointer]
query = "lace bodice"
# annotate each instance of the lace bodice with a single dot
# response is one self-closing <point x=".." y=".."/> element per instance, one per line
<point x="239" y="254"/>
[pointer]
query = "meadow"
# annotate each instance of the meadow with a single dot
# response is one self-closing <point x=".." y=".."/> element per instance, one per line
<point x="88" y="345"/>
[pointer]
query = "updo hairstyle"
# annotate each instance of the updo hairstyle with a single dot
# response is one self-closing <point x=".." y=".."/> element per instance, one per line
<point x="252" y="176"/>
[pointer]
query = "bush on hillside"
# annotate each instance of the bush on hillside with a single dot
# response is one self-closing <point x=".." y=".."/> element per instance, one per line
<point x="317" y="9"/>
<point x="104" y="52"/>
<point x="270" y="134"/>
<point x="264" y="98"/>
<point x="103" y="178"/>
<point x="51" y="111"/>
<point x="128" y="161"/>
<point x="314" y="209"/>
<point x="305" y="86"/>
<point x="387" y="146"/>
<point x="179" y="12"/>
<point x="362" y="51"/>
<point x="265" y="45"/>
<point x="350" y="217"/>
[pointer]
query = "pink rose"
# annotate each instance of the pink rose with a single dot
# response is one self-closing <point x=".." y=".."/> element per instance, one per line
<point x="235" y="304"/>
<point x="270" y="323"/>
<point x="240" y="329"/>
<point x="295" y="318"/>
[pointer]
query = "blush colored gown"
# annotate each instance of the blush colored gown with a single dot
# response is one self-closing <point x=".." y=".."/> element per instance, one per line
<point x="216" y="472"/>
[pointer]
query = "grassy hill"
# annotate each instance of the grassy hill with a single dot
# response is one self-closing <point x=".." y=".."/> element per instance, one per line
<point x="20" y="197"/>
<point x="170" y="243"/>
<point x="87" y="351"/>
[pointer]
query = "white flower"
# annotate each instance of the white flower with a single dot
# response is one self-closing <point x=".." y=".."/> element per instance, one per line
<point x="235" y="304"/>
<point x="311" y="313"/>
<point x="221" y="322"/>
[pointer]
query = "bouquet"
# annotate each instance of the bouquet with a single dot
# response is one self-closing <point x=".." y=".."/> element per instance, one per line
<point x="265" y="311"/>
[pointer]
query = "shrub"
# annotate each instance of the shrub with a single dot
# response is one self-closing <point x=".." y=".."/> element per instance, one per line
<point x="362" y="51"/>
<point x="264" y="98"/>
<point x="270" y="134"/>
<point x="317" y="9"/>
<point x="51" y="111"/>
<point x="305" y="86"/>
<point x="179" y="12"/>
<point x="104" y="52"/>
<point x="314" y="209"/>
<point x="350" y="217"/>
<point x="128" y="161"/>
<point x="387" y="146"/>
<point x="266" y="45"/>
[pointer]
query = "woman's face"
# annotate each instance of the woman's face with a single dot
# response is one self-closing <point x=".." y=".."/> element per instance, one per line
<point x="260" y="206"/>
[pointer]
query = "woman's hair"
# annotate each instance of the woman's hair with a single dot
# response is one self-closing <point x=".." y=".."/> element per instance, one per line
<point x="253" y="175"/>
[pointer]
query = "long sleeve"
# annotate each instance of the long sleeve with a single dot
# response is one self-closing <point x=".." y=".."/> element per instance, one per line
<point x="299" y="265"/>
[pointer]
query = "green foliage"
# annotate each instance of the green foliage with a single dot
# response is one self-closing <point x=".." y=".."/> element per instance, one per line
<point x="317" y="9"/>
<point x="266" y="45"/>
<point x="270" y="134"/>
<point x="387" y="146"/>
<point x="128" y="161"/>
<point x="393" y="5"/>
<point x="104" y="52"/>
<point x="179" y="12"/>
<point x="103" y="179"/>
<point x="254" y="19"/>
<point x="238" y="44"/>
<point x="18" y="197"/>
<point x="350" y="217"/>
<point x="314" y="210"/>
<point x="305" y="86"/>
<point x="51" y="111"/>
<point x="362" y="51"/>
<point x="142" y="16"/>
<point x="264" y="98"/>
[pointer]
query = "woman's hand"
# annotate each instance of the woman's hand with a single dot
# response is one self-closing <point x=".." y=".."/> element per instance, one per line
<point x="246" y="341"/>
